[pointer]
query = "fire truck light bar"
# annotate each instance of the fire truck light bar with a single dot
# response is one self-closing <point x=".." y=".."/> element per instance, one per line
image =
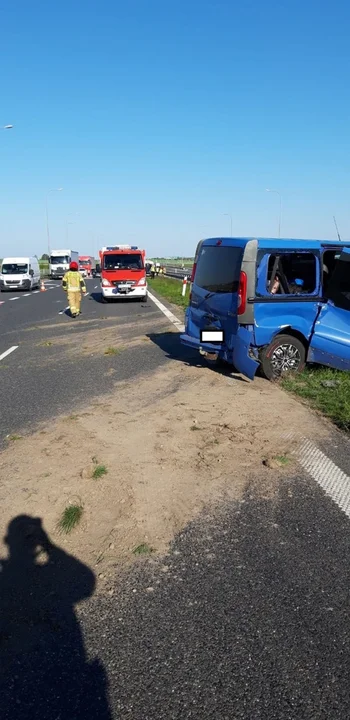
<point x="120" y="247"/>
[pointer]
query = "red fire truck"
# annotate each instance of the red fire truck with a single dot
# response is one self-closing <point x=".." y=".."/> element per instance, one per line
<point x="123" y="273"/>
<point x="87" y="265"/>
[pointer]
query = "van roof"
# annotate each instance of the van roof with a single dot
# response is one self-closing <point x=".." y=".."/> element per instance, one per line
<point x="279" y="244"/>
<point x="18" y="259"/>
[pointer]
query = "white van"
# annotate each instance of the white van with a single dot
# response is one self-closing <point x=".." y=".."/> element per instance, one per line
<point x="19" y="273"/>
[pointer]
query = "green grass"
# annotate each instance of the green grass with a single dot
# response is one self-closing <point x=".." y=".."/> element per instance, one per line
<point x="13" y="438"/>
<point x="70" y="518"/>
<point x="99" y="471"/>
<point x="113" y="351"/>
<point x="316" y="387"/>
<point x="143" y="549"/>
<point x="44" y="268"/>
<point x="282" y="459"/>
<point x="170" y="289"/>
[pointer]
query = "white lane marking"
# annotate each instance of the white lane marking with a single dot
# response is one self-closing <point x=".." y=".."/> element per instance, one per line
<point x="26" y="295"/>
<point x="2" y="302"/>
<point x="15" y="298"/>
<point x="329" y="476"/>
<point x="8" y="352"/>
<point x="36" y="291"/>
<point x="178" y="324"/>
<point x="95" y="287"/>
<point x="63" y="311"/>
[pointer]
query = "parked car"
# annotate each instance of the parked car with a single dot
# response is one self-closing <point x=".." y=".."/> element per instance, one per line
<point x="270" y="304"/>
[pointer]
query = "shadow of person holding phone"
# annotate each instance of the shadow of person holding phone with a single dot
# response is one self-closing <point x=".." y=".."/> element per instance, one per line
<point x="44" y="671"/>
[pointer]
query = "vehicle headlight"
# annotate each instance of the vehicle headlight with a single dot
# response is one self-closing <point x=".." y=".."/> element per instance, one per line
<point x="105" y="282"/>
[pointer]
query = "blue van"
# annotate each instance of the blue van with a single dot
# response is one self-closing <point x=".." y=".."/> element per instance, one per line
<point x="270" y="304"/>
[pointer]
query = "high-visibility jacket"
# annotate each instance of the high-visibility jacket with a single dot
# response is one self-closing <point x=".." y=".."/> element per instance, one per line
<point x="153" y="268"/>
<point x="73" y="281"/>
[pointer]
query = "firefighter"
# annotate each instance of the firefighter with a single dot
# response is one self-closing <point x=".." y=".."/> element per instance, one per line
<point x="74" y="285"/>
<point x="153" y="269"/>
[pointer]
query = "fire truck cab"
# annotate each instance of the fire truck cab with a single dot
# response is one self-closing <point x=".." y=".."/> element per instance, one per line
<point x="123" y="273"/>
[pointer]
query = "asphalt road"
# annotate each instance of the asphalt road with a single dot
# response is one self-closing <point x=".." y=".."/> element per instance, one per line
<point x="40" y="380"/>
<point x="246" y="618"/>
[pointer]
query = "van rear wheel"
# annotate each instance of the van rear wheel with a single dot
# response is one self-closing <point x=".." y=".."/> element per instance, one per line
<point x="285" y="354"/>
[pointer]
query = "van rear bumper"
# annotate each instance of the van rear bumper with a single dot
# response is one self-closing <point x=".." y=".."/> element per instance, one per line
<point x="240" y="357"/>
<point x="198" y="345"/>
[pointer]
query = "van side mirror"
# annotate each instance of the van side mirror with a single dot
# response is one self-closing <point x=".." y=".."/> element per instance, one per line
<point x="31" y="272"/>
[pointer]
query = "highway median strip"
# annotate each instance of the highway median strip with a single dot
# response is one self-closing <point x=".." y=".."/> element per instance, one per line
<point x="169" y="289"/>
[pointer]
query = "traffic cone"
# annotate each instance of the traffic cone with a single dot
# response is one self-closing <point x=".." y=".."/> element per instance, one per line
<point x="42" y="287"/>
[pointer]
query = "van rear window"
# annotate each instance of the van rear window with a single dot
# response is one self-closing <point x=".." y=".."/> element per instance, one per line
<point x="218" y="269"/>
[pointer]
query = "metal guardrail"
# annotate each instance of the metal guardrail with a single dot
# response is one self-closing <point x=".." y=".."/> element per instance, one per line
<point x="177" y="272"/>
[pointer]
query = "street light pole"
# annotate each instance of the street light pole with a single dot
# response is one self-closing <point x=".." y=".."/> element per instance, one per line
<point x="47" y="217"/>
<point x="280" y="212"/>
<point x="230" y="216"/>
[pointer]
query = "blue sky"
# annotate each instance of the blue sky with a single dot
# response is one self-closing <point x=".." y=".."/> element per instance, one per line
<point x="157" y="117"/>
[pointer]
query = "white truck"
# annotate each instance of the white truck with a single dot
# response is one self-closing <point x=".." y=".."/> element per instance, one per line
<point x="59" y="262"/>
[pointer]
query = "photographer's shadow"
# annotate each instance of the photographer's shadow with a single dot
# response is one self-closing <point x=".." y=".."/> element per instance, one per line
<point x="44" y="672"/>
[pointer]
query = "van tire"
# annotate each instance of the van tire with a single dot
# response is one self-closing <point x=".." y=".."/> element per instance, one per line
<point x="285" y="354"/>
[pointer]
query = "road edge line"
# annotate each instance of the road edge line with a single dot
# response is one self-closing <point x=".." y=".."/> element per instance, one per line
<point x="331" y="478"/>
<point x="168" y="314"/>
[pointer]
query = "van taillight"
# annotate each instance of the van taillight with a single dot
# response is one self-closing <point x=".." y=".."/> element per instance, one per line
<point x="193" y="272"/>
<point x="242" y="294"/>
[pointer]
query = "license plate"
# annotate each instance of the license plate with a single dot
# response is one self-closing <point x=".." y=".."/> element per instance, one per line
<point x="123" y="288"/>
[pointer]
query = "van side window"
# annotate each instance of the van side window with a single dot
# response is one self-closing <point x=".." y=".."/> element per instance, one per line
<point x="291" y="274"/>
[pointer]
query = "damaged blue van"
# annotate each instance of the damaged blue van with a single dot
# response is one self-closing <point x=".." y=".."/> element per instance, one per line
<point x="270" y="304"/>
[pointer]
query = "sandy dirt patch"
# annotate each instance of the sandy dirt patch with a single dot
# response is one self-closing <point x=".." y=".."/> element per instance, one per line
<point x="172" y="443"/>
